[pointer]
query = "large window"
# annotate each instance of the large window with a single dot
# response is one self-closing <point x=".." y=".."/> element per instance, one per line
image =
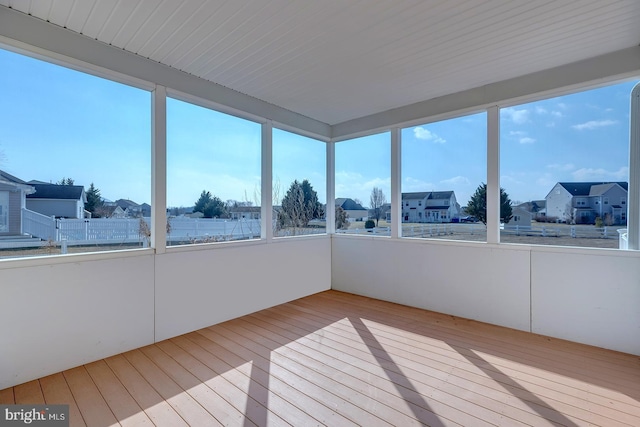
<point x="443" y="166"/>
<point x="363" y="185"/>
<point x="75" y="159"/>
<point x="213" y="175"/>
<point x="299" y="185"/>
<point x="564" y="167"/>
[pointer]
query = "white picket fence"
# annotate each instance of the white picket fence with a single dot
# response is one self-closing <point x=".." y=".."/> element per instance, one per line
<point x="38" y="225"/>
<point x="130" y="230"/>
<point x="195" y="230"/>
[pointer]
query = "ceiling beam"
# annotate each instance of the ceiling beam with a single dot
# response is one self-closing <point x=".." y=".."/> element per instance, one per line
<point x="64" y="45"/>
<point x="590" y="72"/>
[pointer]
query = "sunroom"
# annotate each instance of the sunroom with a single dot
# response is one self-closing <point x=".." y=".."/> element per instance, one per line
<point x="232" y="290"/>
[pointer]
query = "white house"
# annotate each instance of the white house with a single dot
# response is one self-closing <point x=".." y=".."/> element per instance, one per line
<point x="13" y="192"/>
<point x="355" y="211"/>
<point x="430" y="206"/>
<point x="61" y="201"/>
<point x="583" y="202"/>
<point x="521" y="218"/>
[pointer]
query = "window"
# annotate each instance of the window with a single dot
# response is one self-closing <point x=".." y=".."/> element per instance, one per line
<point x="299" y="184"/>
<point x="4" y="211"/>
<point x="213" y="175"/>
<point x="363" y="175"/>
<point x="76" y="160"/>
<point x="551" y="154"/>
<point x="444" y="185"/>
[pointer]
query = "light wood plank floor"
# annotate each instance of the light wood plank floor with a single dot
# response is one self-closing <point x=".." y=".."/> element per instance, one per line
<point x="338" y="359"/>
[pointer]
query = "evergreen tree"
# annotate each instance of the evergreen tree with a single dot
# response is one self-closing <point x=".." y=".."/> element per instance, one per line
<point x="94" y="200"/>
<point x="478" y="205"/>
<point x="300" y="205"/>
<point x="205" y="197"/>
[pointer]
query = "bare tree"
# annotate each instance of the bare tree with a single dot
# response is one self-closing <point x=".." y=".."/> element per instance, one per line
<point x="275" y="193"/>
<point x="377" y="200"/>
<point x="570" y="214"/>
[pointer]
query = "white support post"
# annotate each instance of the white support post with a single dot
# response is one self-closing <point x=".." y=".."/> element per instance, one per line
<point x="633" y="205"/>
<point x="396" y="183"/>
<point x="330" y="209"/>
<point x="493" y="174"/>
<point x="159" y="169"/>
<point x="266" y="185"/>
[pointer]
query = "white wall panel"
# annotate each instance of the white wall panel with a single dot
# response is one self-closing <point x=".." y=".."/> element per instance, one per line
<point x="62" y="315"/>
<point x="588" y="298"/>
<point x="473" y="281"/>
<point x="199" y="288"/>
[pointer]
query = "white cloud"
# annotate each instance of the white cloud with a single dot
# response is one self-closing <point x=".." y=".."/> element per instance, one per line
<point x="565" y="167"/>
<point x="541" y="110"/>
<point x="517" y="133"/>
<point x="562" y="105"/>
<point x="556" y="114"/>
<point x="594" y="124"/>
<point x="600" y="174"/>
<point x="425" y="134"/>
<point x="410" y="184"/>
<point x="527" y="140"/>
<point x="456" y="180"/>
<point x="516" y="116"/>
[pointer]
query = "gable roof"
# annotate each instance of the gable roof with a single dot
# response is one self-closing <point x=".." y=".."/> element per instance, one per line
<point x="431" y="195"/>
<point x="55" y="191"/>
<point x="584" y="188"/>
<point x="600" y="189"/>
<point x="10" y="178"/>
<point x="349" y="204"/>
<point x="126" y="204"/>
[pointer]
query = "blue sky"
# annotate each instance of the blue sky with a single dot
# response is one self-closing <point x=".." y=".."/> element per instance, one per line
<point x="59" y="123"/>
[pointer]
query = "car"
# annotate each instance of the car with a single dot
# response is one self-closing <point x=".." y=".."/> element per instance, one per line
<point x="468" y="218"/>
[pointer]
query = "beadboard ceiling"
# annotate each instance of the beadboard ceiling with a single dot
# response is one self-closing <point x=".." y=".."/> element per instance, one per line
<point x="338" y="60"/>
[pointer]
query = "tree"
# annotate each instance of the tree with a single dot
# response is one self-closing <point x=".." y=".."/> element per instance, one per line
<point x="341" y="218"/>
<point x="66" y="181"/>
<point x="299" y="205"/>
<point x="477" y="205"/>
<point x="94" y="201"/>
<point x="205" y="197"/>
<point x="215" y="208"/>
<point x="376" y="201"/>
<point x="210" y="206"/>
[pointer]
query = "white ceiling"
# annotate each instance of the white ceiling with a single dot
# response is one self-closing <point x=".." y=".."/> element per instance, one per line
<point x="337" y="60"/>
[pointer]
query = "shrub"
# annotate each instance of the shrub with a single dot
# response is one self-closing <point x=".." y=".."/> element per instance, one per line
<point x="599" y="222"/>
<point x="370" y="224"/>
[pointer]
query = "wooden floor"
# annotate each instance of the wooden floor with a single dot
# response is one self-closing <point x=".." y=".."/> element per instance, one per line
<point x="337" y="359"/>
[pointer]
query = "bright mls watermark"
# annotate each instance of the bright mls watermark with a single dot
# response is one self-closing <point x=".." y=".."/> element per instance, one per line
<point x="34" y="415"/>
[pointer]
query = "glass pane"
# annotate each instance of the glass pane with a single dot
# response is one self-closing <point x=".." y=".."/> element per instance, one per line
<point x="299" y="185"/>
<point x="443" y="164"/>
<point x="75" y="158"/>
<point x="213" y="175"/>
<point x="564" y="165"/>
<point x="363" y="185"/>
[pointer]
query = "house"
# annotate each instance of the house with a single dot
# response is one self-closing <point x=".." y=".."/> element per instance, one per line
<point x="429" y="206"/>
<point x="244" y="212"/>
<point x="13" y="192"/>
<point x="110" y="211"/>
<point x="355" y="211"/>
<point x="521" y="218"/>
<point x="130" y="208"/>
<point x="145" y="210"/>
<point x="335" y="72"/>
<point x="583" y="202"/>
<point x="60" y="201"/>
